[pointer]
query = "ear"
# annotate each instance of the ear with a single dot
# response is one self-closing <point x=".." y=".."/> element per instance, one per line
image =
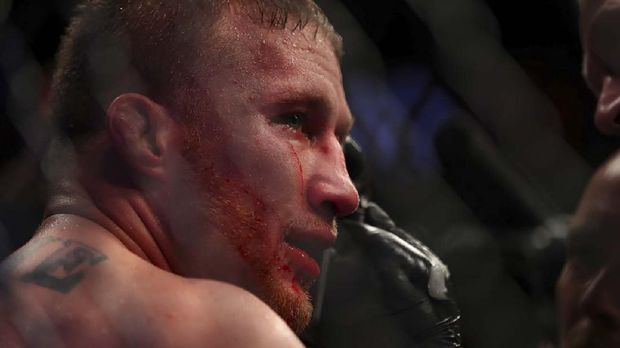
<point x="607" y="117"/>
<point x="141" y="131"/>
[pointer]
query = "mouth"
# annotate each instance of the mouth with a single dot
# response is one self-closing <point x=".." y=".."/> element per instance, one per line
<point x="303" y="249"/>
<point x="304" y="267"/>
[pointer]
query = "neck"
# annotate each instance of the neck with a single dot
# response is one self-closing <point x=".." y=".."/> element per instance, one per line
<point x="123" y="212"/>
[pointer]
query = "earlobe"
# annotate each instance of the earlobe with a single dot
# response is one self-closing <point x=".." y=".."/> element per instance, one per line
<point x="140" y="131"/>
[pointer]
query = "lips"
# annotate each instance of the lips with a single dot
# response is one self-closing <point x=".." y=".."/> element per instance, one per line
<point x="303" y="246"/>
<point x="305" y="268"/>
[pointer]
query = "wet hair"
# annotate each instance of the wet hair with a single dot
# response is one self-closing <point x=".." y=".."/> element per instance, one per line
<point x="119" y="46"/>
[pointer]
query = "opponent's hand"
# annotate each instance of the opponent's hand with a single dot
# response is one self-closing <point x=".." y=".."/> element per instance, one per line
<point x="381" y="285"/>
<point x="414" y="281"/>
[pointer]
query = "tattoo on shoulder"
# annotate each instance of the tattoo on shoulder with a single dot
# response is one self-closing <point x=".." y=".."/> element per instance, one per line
<point x="65" y="267"/>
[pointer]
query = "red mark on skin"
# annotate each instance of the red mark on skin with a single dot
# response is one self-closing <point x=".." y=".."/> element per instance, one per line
<point x="324" y="149"/>
<point x="296" y="287"/>
<point x="258" y="203"/>
<point x="251" y="217"/>
<point x="243" y="251"/>
<point x="300" y="170"/>
<point x="294" y="284"/>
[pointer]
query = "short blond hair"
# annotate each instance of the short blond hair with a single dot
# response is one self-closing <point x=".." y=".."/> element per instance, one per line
<point x="118" y="46"/>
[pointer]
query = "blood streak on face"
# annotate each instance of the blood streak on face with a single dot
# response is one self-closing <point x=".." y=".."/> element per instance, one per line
<point x="270" y="123"/>
<point x="300" y="173"/>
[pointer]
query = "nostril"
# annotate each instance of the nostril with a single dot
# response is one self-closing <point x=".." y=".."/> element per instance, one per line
<point x="330" y="207"/>
<point x="607" y="117"/>
<point x="341" y="204"/>
<point x="348" y="205"/>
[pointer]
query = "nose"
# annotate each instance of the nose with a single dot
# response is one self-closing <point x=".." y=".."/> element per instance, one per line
<point x="608" y="108"/>
<point x="330" y="189"/>
<point x="599" y="300"/>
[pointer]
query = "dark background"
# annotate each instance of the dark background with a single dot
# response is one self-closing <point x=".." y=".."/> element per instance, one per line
<point x="450" y="107"/>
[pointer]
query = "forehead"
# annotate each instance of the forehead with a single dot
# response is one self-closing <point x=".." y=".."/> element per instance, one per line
<point x="251" y="65"/>
<point x="240" y="41"/>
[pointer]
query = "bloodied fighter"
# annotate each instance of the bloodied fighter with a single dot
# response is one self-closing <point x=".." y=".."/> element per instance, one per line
<point x="195" y="171"/>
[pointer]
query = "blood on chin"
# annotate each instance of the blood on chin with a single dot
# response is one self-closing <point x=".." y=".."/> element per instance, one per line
<point x="290" y="300"/>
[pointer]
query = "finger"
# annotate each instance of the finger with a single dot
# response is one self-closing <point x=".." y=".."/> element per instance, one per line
<point x="431" y="323"/>
<point x="376" y="216"/>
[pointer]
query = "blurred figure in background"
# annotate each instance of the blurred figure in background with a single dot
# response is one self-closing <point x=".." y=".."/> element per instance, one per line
<point x="600" y="37"/>
<point x="589" y="287"/>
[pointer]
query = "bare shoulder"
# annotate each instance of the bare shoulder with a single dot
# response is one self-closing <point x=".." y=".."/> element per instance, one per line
<point x="40" y="289"/>
<point x="235" y="317"/>
<point x="74" y="292"/>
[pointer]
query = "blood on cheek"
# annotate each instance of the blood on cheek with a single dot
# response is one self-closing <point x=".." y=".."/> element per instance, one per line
<point x="254" y="222"/>
<point x="300" y="169"/>
<point x="300" y="174"/>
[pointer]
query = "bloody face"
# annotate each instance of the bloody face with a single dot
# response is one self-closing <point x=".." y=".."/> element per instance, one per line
<point x="267" y="163"/>
<point x="589" y="287"/>
<point x="600" y="36"/>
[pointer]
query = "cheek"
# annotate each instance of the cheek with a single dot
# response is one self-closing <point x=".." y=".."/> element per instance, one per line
<point x="299" y="168"/>
<point x="269" y="166"/>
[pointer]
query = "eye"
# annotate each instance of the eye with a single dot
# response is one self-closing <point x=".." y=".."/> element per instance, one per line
<point x="293" y="120"/>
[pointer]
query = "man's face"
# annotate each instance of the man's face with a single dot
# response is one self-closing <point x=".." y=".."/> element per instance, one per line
<point x="589" y="287"/>
<point x="267" y="159"/>
<point x="600" y="36"/>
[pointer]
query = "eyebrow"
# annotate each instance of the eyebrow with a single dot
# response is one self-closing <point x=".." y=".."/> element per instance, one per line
<point x="314" y="99"/>
<point x="290" y="97"/>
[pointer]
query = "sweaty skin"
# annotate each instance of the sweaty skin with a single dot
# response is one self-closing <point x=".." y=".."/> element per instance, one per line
<point x="120" y="300"/>
<point x="587" y="291"/>
<point x="217" y="242"/>
<point x="274" y="163"/>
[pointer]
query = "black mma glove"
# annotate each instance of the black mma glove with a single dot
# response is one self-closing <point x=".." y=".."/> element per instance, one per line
<point x="382" y="287"/>
<point x="414" y="281"/>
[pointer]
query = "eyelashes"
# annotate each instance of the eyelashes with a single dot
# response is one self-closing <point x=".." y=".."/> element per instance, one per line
<point x="294" y="120"/>
<point x="301" y="122"/>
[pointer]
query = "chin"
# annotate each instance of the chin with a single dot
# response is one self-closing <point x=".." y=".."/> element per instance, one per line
<point x="291" y="302"/>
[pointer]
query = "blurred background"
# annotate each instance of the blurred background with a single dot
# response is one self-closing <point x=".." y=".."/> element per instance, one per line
<point x="472" y="114"/>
